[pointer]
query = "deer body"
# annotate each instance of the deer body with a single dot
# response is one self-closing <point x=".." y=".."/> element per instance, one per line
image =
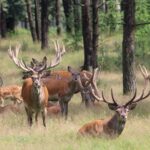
<point x="109" y="127"/>
<point x="35" y="99"/>
<point x="61" y="86"/>
<point x="12" y="92"/>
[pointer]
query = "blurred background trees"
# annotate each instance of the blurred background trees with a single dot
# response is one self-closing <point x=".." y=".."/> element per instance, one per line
<point x="103" y="29"/>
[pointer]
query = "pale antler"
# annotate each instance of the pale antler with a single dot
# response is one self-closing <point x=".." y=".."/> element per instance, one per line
<point x="58" y="56"/>
<point x="13" y="54"/>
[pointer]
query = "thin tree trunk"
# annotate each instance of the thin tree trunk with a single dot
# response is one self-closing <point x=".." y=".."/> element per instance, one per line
<point x="128" y="46"/>
<point x="68" y="11"/>
<point x="87" y="34"/>
<point x="77" y="16"/>
<point x="58" y="16"/>
<point x="37" y="19"/>
<point x="2" y="22"/>
<point x="30" y="19"/>
<point x="95" y="32"/>
<point x="44" y="24"/>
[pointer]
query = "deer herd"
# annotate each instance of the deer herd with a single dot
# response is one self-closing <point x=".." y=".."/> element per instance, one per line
<point x="43" y="87"/>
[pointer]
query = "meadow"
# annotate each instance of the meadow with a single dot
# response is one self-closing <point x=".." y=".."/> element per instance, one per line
<point x="60" y="134"/>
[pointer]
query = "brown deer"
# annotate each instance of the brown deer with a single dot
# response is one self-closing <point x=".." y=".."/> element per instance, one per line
<point x="12" y="92"/>
<point x="34" y="92"/>
<point x="62" y="76"/>
<point x="63" y="85"/>
<point x="113" y="126"/>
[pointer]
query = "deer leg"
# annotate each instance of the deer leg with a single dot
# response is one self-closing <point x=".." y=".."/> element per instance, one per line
<point x="66" y="109"/>
<point x="29" y="116"/>
<point x="61" y="106"/>
<point x="44" y="116"/>
<point x="2" y="102"/>
<point x="36" y="117"/>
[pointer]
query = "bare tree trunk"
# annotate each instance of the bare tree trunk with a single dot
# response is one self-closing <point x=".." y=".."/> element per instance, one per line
<point x="68" y="11"/>
<point x="44" y="23"/>
<point x="87" y="34"/>
<point x="2" y="22"/>
<point x="128" y="46"/>
<point x="95" y="35"/>
<point x="30" y="19"/>
<point x="37" y="19"/>
<point x="77" y="16"/>
<point x="58" y="16"/>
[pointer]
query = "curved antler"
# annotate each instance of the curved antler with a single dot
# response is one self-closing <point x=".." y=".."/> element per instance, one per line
<point x="58" y="56"/>
<point x="13" y="54"/>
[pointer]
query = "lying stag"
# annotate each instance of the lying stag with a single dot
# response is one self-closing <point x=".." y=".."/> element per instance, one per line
<point x="113" y="126"/>
<point x="12" y="92"/>
<point x="34" y="92"/>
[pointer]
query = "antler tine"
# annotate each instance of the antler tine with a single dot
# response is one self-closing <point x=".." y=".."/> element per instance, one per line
<point x="132" y="99"/>
<point x="14" y="56"/>
<point x="104" y="99"/>
<point x="58" y="55"/>
<point x="144" y="71"/>
<point x="112" y="95"/>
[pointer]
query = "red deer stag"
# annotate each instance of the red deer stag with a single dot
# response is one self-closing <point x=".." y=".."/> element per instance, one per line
<point x="34" y="92"/>
<point x="12" y="92"/>
<point x="113" y="126"/>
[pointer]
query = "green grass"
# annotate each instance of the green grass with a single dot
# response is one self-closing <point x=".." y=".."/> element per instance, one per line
<point x="62" y="135"/>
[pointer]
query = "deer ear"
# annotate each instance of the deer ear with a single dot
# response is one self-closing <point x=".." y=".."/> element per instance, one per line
<point x="112" y="106"/>
<point x="44" y="59"/>
<point x="132" y="106"/>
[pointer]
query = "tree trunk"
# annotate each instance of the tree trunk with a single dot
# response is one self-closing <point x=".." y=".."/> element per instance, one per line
<point x="95" y="32"/>
<point x="128" y="46"/>
<point x="58" y="16"/>
<point x="2" y="22"/>
<point x="77" y="16"/>
<point x="87" y="34"/>
<point x="37" y="19"/>
<point x="44" y="24"/>
<point x="30" y="19"/>
<point x="68" y="11"/>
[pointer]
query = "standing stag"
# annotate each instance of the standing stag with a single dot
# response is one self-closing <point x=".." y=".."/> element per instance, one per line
<point x="34" y="92"/>
<point x="113" y="126"/>
<point x="12" y="92"/>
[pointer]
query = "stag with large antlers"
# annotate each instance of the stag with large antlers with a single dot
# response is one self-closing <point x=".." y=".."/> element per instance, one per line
<point x="34" y="92"/>
<point x="12" y="92"/>
<point x="113" y="126"/>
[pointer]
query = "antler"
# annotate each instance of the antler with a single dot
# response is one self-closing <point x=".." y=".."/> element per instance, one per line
<point x="141" y="97"/>
<point x="13" y="54"/>
<point x="112" y="95"/>
<point x="144" y="72"/>
<point x="59" y="53"/>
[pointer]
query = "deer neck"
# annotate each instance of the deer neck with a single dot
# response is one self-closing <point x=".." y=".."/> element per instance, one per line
<point x="115" y="125"/>
<point x="37" y="95"/>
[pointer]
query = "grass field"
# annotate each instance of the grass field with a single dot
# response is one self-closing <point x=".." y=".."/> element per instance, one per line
<point x="60" y="134"/>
